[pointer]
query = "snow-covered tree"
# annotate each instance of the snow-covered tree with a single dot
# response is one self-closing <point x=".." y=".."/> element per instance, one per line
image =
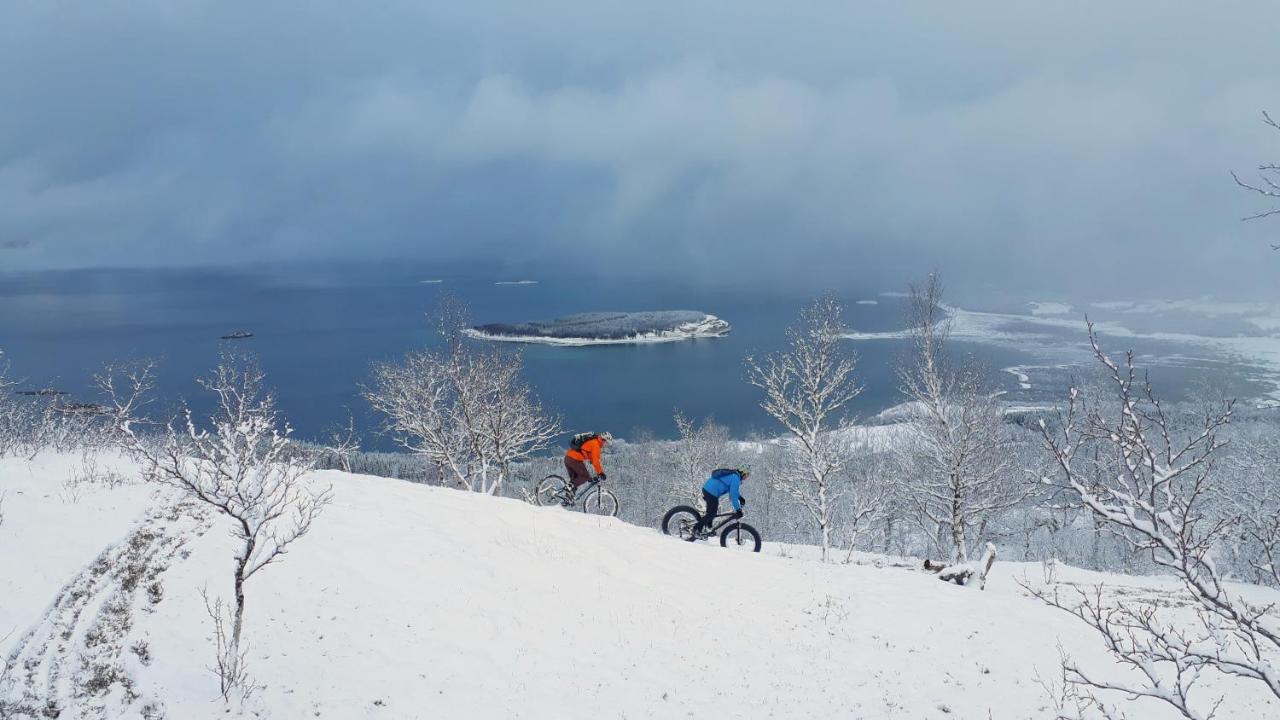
<point x="10" y="413"/>
<point x="956" y="467"/>
<point x="1250" y="496"/>
<point x="463" y="406"/>
<point x="241" y="465"/>
<point x="702" y="447"/>
<point x="341" y="443"/>
<point x="1157" y="497"/>
<point x="807" y="388"/>
<point x="127" y="389"/>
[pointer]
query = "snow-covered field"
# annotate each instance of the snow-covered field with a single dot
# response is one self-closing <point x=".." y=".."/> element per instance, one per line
<point x="407" y="601"/>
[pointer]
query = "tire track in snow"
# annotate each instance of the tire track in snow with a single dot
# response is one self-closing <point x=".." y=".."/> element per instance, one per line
<point x="73" y="662"/>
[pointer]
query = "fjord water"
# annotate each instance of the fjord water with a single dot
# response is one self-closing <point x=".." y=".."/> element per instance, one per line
<point x="317" y="332"/>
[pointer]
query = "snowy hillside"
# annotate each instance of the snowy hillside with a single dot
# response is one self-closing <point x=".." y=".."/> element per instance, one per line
<point x="408" y="601"/>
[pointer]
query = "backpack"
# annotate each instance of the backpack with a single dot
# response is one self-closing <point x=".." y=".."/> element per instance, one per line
<point x="578" y="440"/>
<point x="723" y="472"/>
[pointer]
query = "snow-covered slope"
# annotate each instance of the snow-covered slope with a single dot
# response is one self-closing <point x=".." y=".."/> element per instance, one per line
<point x="413" y="602"/>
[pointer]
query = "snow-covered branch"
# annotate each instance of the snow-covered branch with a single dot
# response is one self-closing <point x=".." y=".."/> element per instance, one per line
<point x="126" y="389"/>
<point x="1158" y="496"/>
<point x="1268" y="183"/>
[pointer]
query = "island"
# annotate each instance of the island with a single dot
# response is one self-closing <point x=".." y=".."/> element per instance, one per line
<point x="608" y="328"/>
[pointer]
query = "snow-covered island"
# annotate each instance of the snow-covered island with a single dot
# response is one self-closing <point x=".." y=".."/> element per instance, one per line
<point x="608" y="328"/>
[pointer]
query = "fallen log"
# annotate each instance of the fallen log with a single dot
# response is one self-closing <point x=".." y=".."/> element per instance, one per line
<point x="964" y="573"/>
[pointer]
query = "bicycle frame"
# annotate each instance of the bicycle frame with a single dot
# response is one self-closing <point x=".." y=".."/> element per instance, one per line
<point x="717" y="528"/>
<point x="585" y="488"/>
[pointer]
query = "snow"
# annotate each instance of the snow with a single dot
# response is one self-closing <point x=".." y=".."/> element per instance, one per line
<point x="1057" y="338"/>
<point x="887" y="335"/>
<point x="1024" y="380"/>
<point x="408" y="601"/>
<point x="603" y="328"/>
<point x="1049" y="308"/>
<point x="51" y="530"/>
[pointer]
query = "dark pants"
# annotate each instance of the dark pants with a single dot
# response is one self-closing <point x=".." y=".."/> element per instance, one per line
<point x="713" y="506"/>
<point x="577" y="472"/>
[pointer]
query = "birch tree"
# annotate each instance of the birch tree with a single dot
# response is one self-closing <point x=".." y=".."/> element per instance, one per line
<point x="465" y="408"/>
<point x="807" y="388"/>
<point x="1157" y="501"/>
<point x="241" y="465"/>
<point x="701" y="449"/>
<point x="955" y="466"/>
<point x="340" y="444"/>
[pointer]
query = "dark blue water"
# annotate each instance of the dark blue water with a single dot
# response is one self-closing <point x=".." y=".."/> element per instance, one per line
<point x="318" y="330"/>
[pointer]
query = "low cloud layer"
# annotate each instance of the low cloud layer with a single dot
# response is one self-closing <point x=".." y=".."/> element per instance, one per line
<point x="1057" y="147"/>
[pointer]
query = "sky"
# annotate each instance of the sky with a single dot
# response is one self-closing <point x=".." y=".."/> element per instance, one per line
<point x="1072" y="146"/>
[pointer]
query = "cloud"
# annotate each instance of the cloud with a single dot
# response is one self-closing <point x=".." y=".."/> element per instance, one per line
<point x="1002" y="142"/>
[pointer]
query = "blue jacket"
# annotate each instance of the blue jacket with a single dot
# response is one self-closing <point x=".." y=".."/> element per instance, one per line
<point x="730" y="483"/>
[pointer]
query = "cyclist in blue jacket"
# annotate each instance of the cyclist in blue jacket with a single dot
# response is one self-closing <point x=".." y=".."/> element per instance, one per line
<point x="725" y="481"/>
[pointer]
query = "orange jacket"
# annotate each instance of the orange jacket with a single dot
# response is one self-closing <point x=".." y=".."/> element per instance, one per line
<point x="590" y="451"/>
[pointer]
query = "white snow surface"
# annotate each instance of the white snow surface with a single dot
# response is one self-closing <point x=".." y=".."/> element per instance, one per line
<point x="408" y="601"/>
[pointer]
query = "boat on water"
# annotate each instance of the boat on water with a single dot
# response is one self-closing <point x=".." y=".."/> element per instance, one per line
<point x="237" y="335"/>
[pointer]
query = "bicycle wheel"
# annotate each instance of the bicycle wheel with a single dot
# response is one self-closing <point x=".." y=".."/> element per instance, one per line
<point x="600" y="502"/>
<point x="550" y="491"/>
<point x="740" y="536"/>
<point x="679" y="521"/>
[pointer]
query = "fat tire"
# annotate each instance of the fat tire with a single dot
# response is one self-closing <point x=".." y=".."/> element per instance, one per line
<point x="591" y="504"/>
<point x="727" y="535"/>
<point x="548" y="491"/>
<point x="672" y="526"/>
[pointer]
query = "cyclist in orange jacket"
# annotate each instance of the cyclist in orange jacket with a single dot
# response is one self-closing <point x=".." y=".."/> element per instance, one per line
<point x="584" y="447"/>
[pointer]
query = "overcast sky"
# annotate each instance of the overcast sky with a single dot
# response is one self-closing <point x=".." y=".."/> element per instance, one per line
<point x="1055" y="144"/>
